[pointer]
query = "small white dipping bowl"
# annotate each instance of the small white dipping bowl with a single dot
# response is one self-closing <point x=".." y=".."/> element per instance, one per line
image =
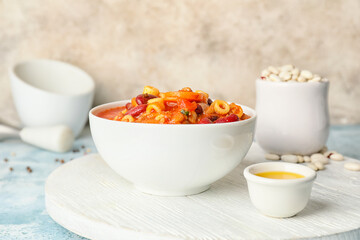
<point x="171" y="160"/>
<point x="279" y="197"/>
<point x="48" y="93"/>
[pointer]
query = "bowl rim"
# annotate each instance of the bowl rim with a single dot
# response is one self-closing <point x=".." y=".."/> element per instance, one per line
<point x="300" y="169"/>
<point x="123" y="102"/>
<point x="14" y="74"/>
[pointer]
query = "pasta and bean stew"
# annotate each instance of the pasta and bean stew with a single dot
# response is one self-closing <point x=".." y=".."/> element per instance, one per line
<point x="180" y="107"/>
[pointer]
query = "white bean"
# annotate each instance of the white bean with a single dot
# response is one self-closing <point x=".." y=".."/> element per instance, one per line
<point x="312" y="166"/>
<point x="318" y="157"/>
<point x="314" y="80"/>
<point x="287" y="68"/>
<point x="337" y="157"/>
<point x="285" y="76"/>
<point x="307" y="159"/>
<point x="301" y="79"/>
<point x="289" y="158"/>
<point x="274" y="78"/>
<point x="352" y="166"/>
<point x="271" y="156"/>
<point x="273" y="69"/>
<point x="295" y="72"/>
<point x="265" y="73"/>
<point x="300" y="158"/>
<point x="319" y="165"/>
<point x="324" y="80"/>
<point x="306" y="74"/>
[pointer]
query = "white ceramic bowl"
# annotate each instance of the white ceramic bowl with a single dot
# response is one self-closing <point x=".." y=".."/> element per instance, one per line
<point x="48" y="92"/>
<point x="171" y="160"/>
<point x="293" y="117"/>
<point x="279" y="197"/>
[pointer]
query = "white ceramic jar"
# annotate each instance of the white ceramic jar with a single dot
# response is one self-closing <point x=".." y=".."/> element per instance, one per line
<point x="292" y="116"/>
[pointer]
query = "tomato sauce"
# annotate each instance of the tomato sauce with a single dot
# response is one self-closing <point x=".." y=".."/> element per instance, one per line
<point x="111" y="113"/>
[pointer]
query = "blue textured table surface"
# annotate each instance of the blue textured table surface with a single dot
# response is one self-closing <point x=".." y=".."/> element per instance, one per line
<point x="22" y="207"/>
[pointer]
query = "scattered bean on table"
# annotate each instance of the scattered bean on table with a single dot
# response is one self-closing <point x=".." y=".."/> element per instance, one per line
<point x="270" y="156"/>
<point x="319" y="165"/>
<point x="316" y="161"/>
<point x="337" y="157"/>
<point x="352" y="166"/>
<point x="289" y="158"/>
<point x="312" y="166"/>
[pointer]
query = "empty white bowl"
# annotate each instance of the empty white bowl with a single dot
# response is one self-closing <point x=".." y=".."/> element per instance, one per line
<point x="279" y="197"/>
<point x="48" y="93"/>
<point x="171" y="160"/>
<point x="293" y="117"/>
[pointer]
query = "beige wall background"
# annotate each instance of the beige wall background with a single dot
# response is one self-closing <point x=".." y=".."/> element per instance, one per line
<point x="217" y="46"/>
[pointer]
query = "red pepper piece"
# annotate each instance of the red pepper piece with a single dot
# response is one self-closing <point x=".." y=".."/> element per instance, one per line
<point x="231" y="118"/>
<point x="205" y="120"/>
<point x="185" y="104"/>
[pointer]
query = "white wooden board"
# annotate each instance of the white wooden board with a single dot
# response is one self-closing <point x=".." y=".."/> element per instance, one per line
<point x="88" y="198"/>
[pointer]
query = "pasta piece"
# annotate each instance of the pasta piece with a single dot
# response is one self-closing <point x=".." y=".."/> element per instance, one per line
<point x="206" y="94"/>
<point x="192" y="117"/>
<point x="244" y="117"/>
<point x="186" y="89"/>
<point x="236" y="110"/>
<point x="170" y="99"/>
<point x="155" y="106"/>
<point x="221" y="107"/>
<point x="210" y="110"/>
<point x="177" y="118"/>
<point x="190" y="96"/>
<point x="145" y="116"/>
<point x="133" y="102"/>
<point x="128" y="118"/>
<point x="119" y="116"/>
<point x="159" y="101"/>
<point x="160" y="118"/>
<point x="151" y="90"/>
